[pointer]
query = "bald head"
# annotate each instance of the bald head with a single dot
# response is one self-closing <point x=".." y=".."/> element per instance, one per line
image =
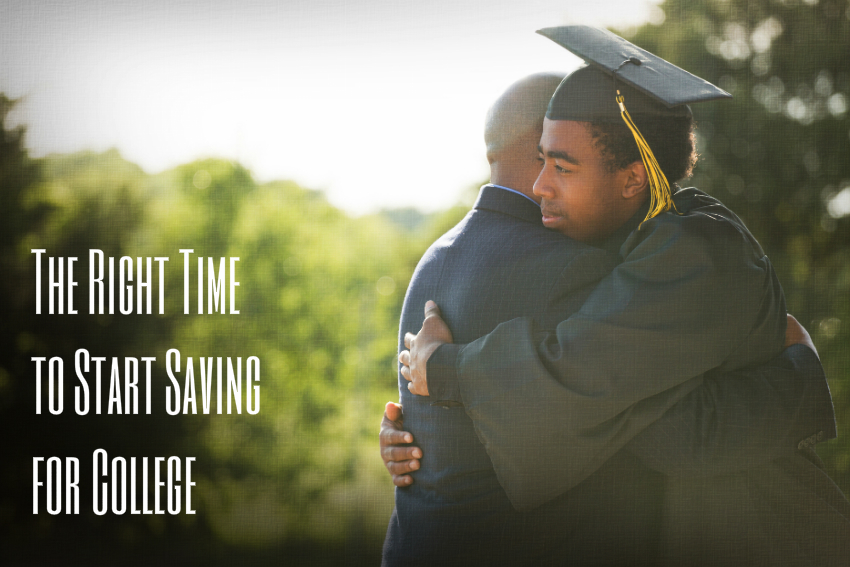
<point x="512" y="130"/>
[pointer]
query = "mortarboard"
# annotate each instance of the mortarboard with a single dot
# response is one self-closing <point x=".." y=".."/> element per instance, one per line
<point x="621" y="74"/>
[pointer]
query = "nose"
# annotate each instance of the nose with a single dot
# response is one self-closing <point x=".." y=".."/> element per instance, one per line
<point x="542" y="188"/>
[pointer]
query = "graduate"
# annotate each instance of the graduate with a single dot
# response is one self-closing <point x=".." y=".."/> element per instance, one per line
<point x="694" y="293"/>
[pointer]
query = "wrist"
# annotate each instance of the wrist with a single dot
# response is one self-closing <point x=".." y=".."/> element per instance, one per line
<point x="442" y="373"/>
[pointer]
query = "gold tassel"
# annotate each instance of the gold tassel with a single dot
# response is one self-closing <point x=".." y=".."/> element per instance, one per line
<point x="661" y="198"/>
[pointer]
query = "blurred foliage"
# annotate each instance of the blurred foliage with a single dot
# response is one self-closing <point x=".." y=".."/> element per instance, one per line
<point x="320" y="294"/>
<point x="319" y="298"/>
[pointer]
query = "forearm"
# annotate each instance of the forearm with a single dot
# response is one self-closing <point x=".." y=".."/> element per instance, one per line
<point x="527" y="418"/>
<point x="442" y="374"/>
<point x="691" y="295"/>
<point x="634" y="342"/>
<point x="738" y="420"/>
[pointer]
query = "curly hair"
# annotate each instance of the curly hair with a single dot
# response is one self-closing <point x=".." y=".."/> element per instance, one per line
<point x="671" y="139"/>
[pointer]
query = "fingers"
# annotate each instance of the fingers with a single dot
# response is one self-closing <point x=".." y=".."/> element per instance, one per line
<point x="399" y="471"/>
<point x="401" y="455"/>
<point x="391" y="434"/>
<point x="793" y="324"/>
<point x="796" y="334"/>
<point x="415" y="387"/>
<point x="431" y="308"/>
<point x="408" y="340"/>
<point x="434" y="332"/>
<point x="402" y="467"/>
<point x="402" y="481"/>
<point x="393" y="412"/>
<point x="399" y="458"/>
<point x="404" y="357"/>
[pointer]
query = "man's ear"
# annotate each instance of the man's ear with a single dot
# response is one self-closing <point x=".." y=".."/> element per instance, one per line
<point x="636" y="181"/>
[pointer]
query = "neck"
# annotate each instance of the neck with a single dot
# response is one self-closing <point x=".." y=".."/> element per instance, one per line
<point x="616" y="239"/>
<point x="508" y="177"/>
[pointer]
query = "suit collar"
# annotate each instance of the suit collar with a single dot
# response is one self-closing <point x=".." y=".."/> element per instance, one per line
<point x="496" y="199"/>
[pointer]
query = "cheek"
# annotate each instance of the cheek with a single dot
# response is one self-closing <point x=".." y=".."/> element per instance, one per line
<point x="582" y="200"/>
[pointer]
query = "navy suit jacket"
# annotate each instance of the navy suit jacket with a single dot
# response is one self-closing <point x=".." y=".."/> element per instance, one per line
<point x="499" y="263"/>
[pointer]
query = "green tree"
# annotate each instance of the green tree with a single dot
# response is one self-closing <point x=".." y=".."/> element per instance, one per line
<point x="319" y="299"/>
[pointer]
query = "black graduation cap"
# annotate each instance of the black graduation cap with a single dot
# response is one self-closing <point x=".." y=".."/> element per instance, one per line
<point x="649" y="74"/>
<point x="621" y="75"/>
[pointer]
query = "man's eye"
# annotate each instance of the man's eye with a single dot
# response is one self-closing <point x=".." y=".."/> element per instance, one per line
<point x="561" y="169"/>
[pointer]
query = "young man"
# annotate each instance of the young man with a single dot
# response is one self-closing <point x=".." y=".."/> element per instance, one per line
<point x="694" y="292"/>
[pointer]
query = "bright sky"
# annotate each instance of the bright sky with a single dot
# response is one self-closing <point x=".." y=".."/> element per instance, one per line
<point x="379" y="103"/>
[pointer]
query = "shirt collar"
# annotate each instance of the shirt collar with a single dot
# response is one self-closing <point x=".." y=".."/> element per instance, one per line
<point x="513" y="191"/>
